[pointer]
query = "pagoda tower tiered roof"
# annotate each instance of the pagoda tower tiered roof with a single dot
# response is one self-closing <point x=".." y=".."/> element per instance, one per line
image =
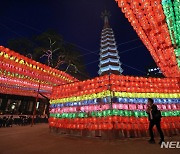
<point x="109" y="58"/>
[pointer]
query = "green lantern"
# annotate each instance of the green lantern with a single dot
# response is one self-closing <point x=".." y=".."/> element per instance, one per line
<point x="115" y="112"/>
<point x="136" y="113"/>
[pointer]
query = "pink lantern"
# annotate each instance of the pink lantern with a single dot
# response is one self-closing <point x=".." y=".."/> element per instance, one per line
<point x="132" y="107"/>
<point x="168" y="106"/>
<point x="120" y="106"/>
<point x="71" y="109"/>
<point x="90" y="108"/>
<point x="164" y="107"/>
<point x="174" y="107"/>
<point x="94" y="107"/>
<point x="140" y="107"/>
<point x="145" y="106"/>
<point x="99" y="107"/>
<point x="115" y="106"/>
<point x="125" y="106"/>
<point x="82" y="108"/>
<point x="159" y="106"/>
<point x="86" y="108"/>
<point x="59" y="109"/>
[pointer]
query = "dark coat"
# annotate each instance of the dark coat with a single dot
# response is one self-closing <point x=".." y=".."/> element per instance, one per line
<point x="155" y="112"/>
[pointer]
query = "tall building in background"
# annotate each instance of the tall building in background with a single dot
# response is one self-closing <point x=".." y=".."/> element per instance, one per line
<point x="109" y="58"/>
<point x="154" y="72"/>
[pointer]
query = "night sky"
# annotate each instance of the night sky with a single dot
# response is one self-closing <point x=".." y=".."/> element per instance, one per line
<point x="79" y="22"/>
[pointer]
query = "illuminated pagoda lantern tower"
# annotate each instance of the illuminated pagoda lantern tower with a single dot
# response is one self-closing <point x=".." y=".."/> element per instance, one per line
<point x="109" y="58"/>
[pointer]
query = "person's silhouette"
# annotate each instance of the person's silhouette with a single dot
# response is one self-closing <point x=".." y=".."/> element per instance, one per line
<point x="154" y="116"/>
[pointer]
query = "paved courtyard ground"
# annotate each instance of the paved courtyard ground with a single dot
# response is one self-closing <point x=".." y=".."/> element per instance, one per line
<point x="38" y="140"/>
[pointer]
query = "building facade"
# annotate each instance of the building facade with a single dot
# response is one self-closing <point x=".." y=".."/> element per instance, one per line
<point x="17" y="105"/>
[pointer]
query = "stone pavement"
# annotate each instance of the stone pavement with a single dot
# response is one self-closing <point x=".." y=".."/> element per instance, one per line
<point x="38" y="140"/>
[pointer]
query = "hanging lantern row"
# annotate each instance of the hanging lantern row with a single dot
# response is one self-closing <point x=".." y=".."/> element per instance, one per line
<point x="110" y="119"/>
<point x="111" y="112"/>
<point x="144" y="79"/>
<point x="140" y="102"/>
<point x="18" y="82"/>
<point x="145" y="89"/>
<point x="130" y="88"/>
<point x="109" y="123"/>
<point x="23" y="74"/>
<point x="115" y="94"/>
<point x="24" y="78"/>
<point x="14" y="59"/>
<point x="117" y="83"/>
<point x="119" y="106"/>
<point x="19" y="91"/>
<point x="172" y="13"/>
<point x="147" y="95"/>
<point x="147" y="18"/>
<point x="7" y="81"/>
<point x="20" y="69"/>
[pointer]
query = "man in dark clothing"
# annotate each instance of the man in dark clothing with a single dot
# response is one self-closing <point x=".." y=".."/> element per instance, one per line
<point x="154" y="116"/>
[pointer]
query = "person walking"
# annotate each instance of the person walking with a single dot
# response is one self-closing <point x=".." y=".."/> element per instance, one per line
<point x="154" y="116"/>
